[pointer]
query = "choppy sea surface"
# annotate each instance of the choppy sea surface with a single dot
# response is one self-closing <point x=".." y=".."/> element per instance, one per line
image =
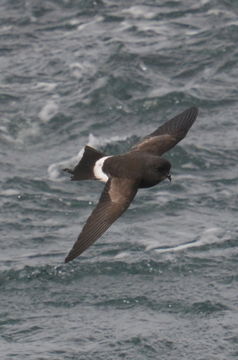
<point x="162" y="282"/>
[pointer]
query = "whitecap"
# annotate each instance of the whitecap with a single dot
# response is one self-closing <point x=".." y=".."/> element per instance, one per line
<point x="31" y="131"/>
<point x="78" y="70"/>
<point x="45" y="86"/>
<point x="10" y="192"/>
<point x="6" y="28"/>
<point x="209" y="236"/>
<point x="48" y="111"/>
<point x="122" y="255"/>
<point x="138" y="11"/>
<point x="4" y="135"/>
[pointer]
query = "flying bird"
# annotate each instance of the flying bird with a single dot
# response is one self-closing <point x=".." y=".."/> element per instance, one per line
<point x="124" y="174"/>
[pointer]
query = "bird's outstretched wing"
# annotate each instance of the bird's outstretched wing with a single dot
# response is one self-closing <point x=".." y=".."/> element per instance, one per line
<point x="168" y="134"/>
<point x="115" y="199"/>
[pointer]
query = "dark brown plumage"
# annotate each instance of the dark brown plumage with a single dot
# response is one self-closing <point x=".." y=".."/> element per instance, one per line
<point x="141" y="167"/>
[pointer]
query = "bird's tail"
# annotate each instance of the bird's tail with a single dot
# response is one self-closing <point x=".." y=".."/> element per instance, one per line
<point x="84" y="169"/>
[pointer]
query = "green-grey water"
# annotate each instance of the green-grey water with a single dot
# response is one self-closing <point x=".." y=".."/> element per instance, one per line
<point x="162" y="282"/>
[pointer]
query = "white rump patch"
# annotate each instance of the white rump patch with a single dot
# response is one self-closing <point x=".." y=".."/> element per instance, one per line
<point x="98" y="172"/>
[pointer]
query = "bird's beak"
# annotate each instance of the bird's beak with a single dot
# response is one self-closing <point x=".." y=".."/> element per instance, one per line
<point x="169" y="177"/>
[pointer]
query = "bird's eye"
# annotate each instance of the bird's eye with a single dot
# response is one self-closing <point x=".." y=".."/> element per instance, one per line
<point x="161" y="168"/>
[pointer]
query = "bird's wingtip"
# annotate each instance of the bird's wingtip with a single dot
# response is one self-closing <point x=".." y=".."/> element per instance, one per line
<point x="71" y="256"/>
<point x="194" y="108"/>
<point x="67" y="259"/>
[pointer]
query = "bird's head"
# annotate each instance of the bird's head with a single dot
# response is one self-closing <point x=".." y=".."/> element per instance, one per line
<point x="163" y="167"/>
<point x="156" y="170"/>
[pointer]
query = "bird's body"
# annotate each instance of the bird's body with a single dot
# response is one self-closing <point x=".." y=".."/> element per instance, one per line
<point x="140" y="167"/>
<point x="124" y="174"/>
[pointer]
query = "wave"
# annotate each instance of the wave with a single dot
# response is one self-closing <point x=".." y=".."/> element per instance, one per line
<point x="209" y="236"/>
<point x="125" y="262"/>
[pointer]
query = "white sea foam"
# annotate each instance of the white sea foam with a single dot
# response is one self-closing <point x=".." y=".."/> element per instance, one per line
<point x="122" y="255"/>
<point x="88" y="24"/>
<point x="4" y="134"/>
<point x="140" y="12"/>
<point x="10" y="192"/>
<point x="78" y="70"/>
<point x="48" y="111"/>
<point x="30" y="129"/>
<point x="45" y="86"/>
<point x="209" y="236"/>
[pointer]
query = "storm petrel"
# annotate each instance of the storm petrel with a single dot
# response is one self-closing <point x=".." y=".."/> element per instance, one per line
<point x="124" y="174"/>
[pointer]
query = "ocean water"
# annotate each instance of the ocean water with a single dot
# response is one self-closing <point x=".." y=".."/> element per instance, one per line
<point x="162" y="282"/>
